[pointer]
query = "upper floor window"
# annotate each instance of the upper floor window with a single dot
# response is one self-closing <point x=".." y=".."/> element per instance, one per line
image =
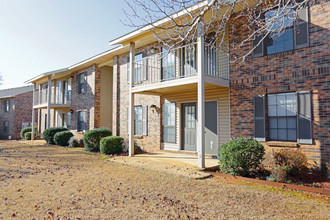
<point x="82" y="83"/>
<point x="279" y="42"/>
<point x="6" y="105"/>
<point x="168" y="64"/>
<point x="285" y="32"/>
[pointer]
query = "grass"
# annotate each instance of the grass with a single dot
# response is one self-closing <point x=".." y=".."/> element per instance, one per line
<point x="38" y="181"/>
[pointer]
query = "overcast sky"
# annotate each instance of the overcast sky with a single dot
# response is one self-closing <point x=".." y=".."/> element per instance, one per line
<point x="38" y="36"/>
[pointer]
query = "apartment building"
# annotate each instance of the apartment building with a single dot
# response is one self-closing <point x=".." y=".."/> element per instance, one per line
<point x="15" y="111"/>
<point x="194" y="99"/>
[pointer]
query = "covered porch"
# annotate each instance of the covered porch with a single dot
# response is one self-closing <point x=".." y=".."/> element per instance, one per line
<point x="193" y="79"/>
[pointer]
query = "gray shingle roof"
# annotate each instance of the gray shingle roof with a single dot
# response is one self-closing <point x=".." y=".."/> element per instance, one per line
<point x="14" y="91"/>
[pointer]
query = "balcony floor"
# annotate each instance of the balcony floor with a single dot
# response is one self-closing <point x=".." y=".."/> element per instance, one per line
<point x="178" y="85"/>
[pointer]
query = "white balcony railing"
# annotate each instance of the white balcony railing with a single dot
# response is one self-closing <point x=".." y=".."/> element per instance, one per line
<point x="180" y="63"/>
<point x="41" y="99"/>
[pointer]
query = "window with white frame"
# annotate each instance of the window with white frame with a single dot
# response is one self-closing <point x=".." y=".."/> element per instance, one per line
<point x="82" y="83"/>
<point x="168" y="122"/>
<point x="82" y="120"/>
<point x="138" y="120"/>
<point x="67" y="120"/>
<point x="168" y="64"/>
<point x="282" y="117"/>
<point x="6" y="105"/>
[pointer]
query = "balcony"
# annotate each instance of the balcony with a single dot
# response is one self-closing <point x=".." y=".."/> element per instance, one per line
<point x="40" y="100"/>
<point x="179" y="67"/>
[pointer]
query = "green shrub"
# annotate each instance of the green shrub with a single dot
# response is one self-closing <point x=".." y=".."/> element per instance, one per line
<point x="92" y="138"/>
<point x="241" y="156"/>
<point x="73" y="142"/>
<point x="50" y="133"/>
<point x="62" y="138"/>
<point x="111" y="145"/>
<point x="27" y="129"/>
<point x="27" y="135"/>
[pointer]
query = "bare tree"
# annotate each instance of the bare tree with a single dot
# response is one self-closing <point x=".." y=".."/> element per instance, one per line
<point x="176" y="22"/>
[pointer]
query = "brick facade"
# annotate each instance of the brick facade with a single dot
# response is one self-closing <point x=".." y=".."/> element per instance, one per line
<point x="20" y="112"/>
<point x="305" y="69"/>
<point x="151" y="141"/>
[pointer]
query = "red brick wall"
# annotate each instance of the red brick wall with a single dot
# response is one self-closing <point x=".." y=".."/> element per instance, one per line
<point x="307" y="69"/>
<point x="23" y="111"/>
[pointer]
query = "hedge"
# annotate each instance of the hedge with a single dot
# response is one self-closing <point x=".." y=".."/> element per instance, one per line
<point x="27" y="135"/>
<point x="111" y="145"/>
<point x="62" y="138"/>
<point x="50" y="133"/>
<point x="240" y="156"/>
<point x="27" y="129"/>
<point x="92" y="138"/>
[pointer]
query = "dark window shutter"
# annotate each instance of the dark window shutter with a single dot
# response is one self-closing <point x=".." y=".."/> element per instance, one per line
<point x="301" y="29"/>
<point x="304" y="118"/>
<point x="145" y="120"/>
<point x="77" y="121"/>
<point x="259" y="50"/>
<point x="77" y="83"/>
<point x="128" y="71"/>
<point x="259" y="118"/>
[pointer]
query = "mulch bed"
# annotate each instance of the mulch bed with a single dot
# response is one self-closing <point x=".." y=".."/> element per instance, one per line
<point x="274" y="184"/>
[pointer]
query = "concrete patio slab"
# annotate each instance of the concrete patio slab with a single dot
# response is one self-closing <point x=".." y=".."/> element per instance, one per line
<point x="177" y="163"/>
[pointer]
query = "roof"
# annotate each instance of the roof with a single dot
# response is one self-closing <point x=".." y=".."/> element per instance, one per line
<point x="12" y="92"/>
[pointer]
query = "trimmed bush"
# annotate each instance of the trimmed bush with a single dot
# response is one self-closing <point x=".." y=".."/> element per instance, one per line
<point x="62" y="138"/>
<point x="73" y="142"/>
<point x="50" y="133"/>
<point x="295" y="161"/>
<point x="241" y="156"/>
<point x="92" y="138"/>
<point x="27" y="135"/>
<point x="27" y="129"/>
<point x="111" y="145"/>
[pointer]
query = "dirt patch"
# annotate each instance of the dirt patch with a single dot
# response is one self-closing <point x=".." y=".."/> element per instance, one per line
<point x="39" y="181"/>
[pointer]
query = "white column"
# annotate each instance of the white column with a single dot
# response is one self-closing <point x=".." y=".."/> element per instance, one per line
<point x="49" y="100"/>
<point x="131" y="100"/>
<point x="201" y="98"/>
<point x="33" y="118"/>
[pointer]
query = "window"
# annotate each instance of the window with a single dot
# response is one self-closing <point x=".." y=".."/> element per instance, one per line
<point x="69" y="89"/>
<point x="25" y="124"/>
<point x="275" y="42"/>
<point x="59" y="92"/>
<point x="289" y="117"/>
<point x="168" y="64"/>
<point x="67" y="120"/>
<point x="282" y="117"/>
<point x="82" y="120"/>
<point x="138" y="120"/>
<point x="169" y="122"/>
<point x="140" y="68"/>
<point x="6" y="105"/>
<point x="6" y="127"/>
<point x="82" y="82"/>
<point x="189" y="60"/>
<point x="59" y="119"/>
<point x="295" y="34"/>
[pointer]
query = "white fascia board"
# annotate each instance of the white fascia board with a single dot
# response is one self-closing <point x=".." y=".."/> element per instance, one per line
<point x="45" y="74"/>
<point x="157" y="23"/>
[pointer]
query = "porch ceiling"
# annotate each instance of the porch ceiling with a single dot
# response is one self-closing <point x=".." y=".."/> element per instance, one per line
<point x="178" y="86"/>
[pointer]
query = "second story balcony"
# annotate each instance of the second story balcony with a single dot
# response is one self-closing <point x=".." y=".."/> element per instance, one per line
<point x="60" y="95"/>
<point x="179" y="67"/>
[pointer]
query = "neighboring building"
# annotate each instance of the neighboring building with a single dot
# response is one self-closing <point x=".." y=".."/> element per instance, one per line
<point x="280" y="96"/>
<point x="15" y="111"/>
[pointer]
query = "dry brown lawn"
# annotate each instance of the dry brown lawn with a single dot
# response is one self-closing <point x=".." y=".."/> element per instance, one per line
<point x="38" y="181"/>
